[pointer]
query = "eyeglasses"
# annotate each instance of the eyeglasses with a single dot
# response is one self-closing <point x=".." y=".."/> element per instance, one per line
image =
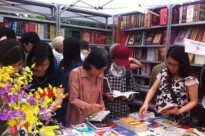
<point x="172" y="65"/>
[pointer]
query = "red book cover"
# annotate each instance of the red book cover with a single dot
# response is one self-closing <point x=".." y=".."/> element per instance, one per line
<point x="197" y="12"/>
<point x="123" y="38"/>
<point x="103" y="38"/>
<point x="86" y="36"/>
<point x="31" y="27"/>
<point x="132" y="21"/>
<point x="184" y="12"/>
<point x="96" y="37"/>
<point x="200" y="34"/>
<point x="163" y="16"/>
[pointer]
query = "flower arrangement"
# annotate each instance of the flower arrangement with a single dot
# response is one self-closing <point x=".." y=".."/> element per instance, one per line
<point x="18" y="107"/>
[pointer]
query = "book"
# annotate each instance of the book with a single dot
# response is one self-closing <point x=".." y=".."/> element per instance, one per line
<point x="149" y="38"/>
<point x="183" y="34"/>
<point x="123" y="131"/>
<point x="86" y="36"/>
<point x="109" y="132"/>
<point x="165" y="122"/>
<point x="96" y="37"/>
<point x="117" y="93"/>
<point x="163" y="16"/>
<point x="98" y="125"/>
<point x="97" y="116"/>
<point x="133" y="124"/>
<point x="51" y="131"/>
<point x="138" y="39"/>
<point x="131" y="39"/>
<point x="170" y="131"/>
<point x="70" y="131"/>
<point x="169" y="106"/>
<point x="157" y="39"/>
<point x="125" y="94"/>
<point x="84" y="129"/>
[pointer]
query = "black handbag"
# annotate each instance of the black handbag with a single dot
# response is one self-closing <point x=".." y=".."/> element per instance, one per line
<point x="187" y="121"/>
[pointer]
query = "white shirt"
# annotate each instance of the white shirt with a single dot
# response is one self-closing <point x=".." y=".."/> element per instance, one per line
<point x="58" y="56"/>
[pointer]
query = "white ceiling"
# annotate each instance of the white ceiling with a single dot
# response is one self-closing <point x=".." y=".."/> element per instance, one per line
<point x="115" y="6"/>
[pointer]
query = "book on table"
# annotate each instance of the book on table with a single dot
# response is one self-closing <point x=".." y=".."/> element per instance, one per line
<point x="97" y="116"/>
<point x="97" y="125"/>
<point x="117" y="93"/>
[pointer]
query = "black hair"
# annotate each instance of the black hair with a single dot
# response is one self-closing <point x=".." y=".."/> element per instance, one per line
<point x="30" y="37"/>
<point x="39" y="53"/>
<point x="98" y="57"/>
<point x="178" y="54"/>
<point x="8" y="32"/>
<point x="11" y="52"/>
<point x="84" y="45"/>
<point x="71" y="52"/>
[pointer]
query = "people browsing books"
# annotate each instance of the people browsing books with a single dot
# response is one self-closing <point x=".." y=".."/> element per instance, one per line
<point x="120" y="79"/>
<point x="174" y="84"/>
<point x="85" y="85"/>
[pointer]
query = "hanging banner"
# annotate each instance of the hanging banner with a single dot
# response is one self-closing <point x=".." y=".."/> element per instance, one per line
<point x="194" y="47"/>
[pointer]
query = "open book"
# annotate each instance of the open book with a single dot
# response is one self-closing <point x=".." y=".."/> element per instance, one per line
<point x="117" y="93"/>
<point x="169" y="106"/>
<point x="97" y="116"/>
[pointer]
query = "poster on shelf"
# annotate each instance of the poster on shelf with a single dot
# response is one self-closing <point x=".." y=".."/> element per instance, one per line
<point x="194" y="47"/>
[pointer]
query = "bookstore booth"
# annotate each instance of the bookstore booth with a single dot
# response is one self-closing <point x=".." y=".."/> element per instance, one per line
<point x="151" y="30"/>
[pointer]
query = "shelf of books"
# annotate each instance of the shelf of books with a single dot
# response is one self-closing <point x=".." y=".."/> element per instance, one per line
<point x="145" y="35"/>
<point x="94" y="36"/>
<point x="189" y="25"/>
<point x="44" y="28"/>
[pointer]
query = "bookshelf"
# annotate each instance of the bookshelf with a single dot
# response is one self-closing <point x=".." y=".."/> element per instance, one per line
<point x="170" y="27"/>
<point x="50" y="20"/>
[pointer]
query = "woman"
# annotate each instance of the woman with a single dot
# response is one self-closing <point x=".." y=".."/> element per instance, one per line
<point x="46" y="73"/>
<point x="71" y="55"/>
<point x="11" y="53"/>
<point x="174" y="84"/>
<point x="85" y="85"/>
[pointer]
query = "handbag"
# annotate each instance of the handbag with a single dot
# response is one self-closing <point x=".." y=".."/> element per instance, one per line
<point x="187" y="121"/>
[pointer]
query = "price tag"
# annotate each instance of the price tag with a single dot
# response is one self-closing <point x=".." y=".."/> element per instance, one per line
<point x="194" y="47"/>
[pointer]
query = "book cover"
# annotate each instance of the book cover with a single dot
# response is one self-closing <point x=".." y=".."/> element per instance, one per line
<point x="193" y="33"/>
<point x="133" y="124"/>
<point x="161" y="54"/>
<point x="149" y="38"/>
<point x="117" y="93"/>
<point x="170" y="131"/>
<point x="190" y="13"/>
<point x="138" y="38"/>
<point x="146" y="69"/>
<point x="98" y="125"/>
<point x="84" y="129"/>
<point x="123" y="131"/>
<point x="132" y="21"/>
<point x="109" y="132"/>
<point x="183" y="33"/>
<point x="200" y="34"/>
<point x="86" y="36"/>
<point x="155" y="19"/>
<point x="163" y="16"/>
<point x="131" y="39"/>
<point x="151" y="54"/>
<point x="98" y="116"/>
<point x="96" y="37"/>
<point x="70" y="131"/>
<point x="165" y="122"/>
<point x="103" y="38"/>
<point x="184" y="13"/>
<point x="157" y="38"/>
<point x="110" y="123"/>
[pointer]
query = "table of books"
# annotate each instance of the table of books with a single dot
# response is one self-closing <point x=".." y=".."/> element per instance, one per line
<point x="126" y="126"/>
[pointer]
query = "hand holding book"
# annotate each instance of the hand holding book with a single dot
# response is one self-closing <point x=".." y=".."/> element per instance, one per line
<point x="169" y="106"/>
